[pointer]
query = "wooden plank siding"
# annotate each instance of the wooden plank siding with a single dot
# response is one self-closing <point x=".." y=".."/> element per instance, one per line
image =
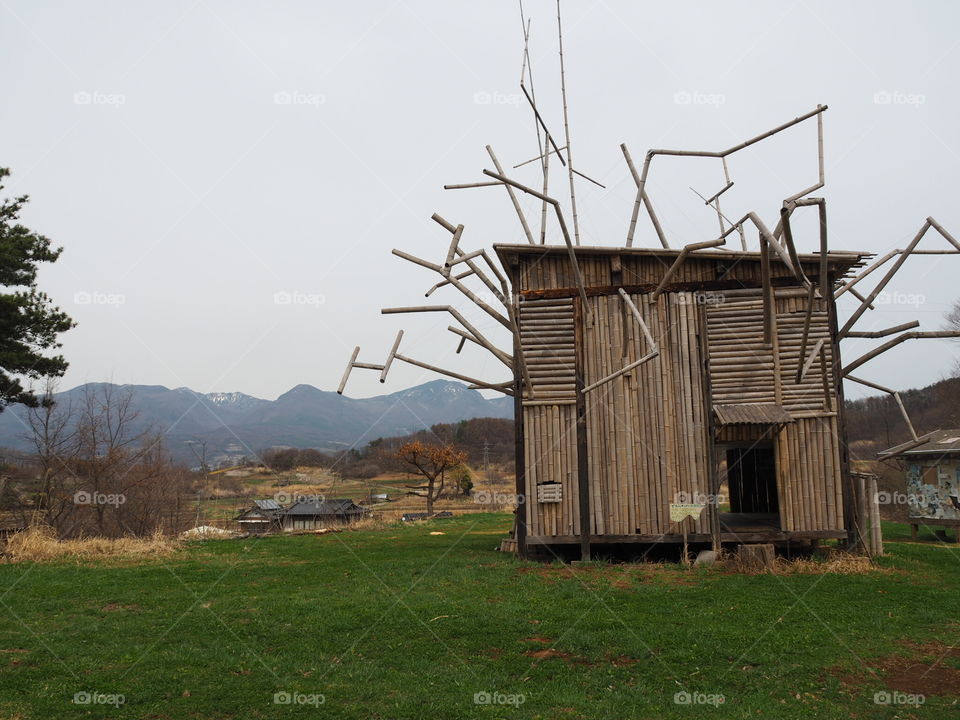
<point x="648" y="431"/>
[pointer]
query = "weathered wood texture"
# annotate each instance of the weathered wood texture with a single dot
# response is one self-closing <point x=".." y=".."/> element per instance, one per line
<point x="744" y="371"/>
<point x="647" y="430"/>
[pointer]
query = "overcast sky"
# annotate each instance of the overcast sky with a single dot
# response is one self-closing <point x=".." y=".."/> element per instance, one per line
<point x="204" y="161"/>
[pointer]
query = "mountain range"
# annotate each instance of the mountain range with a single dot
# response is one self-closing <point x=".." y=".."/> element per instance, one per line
<point x="233" y="425"/>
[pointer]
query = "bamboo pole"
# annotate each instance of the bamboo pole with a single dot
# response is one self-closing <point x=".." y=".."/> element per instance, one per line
<point x="645" y="200"/>
<point x="684" y="253"/>
<point x="513" y="197"/>
<point x="391" y="356"/>
<point x="896" y="397"/>
<point x="563" y="228"/>
<point x="346" y="373"/>
<point x="884" y="333"/>
<point x="896" y="341"/>
<point x="876" y="527"/>
<point x="641" y="185"/>
<point x="480" y="337"/>
<point x="566" y="132"/>
<point x="928" y="223"/>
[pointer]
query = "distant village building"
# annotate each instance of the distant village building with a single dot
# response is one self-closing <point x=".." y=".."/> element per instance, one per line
<point x="932" y="469"/>
<point x="263" y="517"/>
<point x="315" y="514"/>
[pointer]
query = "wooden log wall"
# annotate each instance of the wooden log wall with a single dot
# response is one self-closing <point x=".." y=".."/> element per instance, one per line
<point x="549" y="415"/>
<point x="646" y="430"/>
<point x="743" y="370"/>
<point x="551" y="271"/>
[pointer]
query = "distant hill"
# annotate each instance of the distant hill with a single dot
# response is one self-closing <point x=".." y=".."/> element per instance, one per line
<point x="233" y="424"/>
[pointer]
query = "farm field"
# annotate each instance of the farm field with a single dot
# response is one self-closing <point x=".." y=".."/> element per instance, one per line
<point x="402" y="623"/>
<point x="486" y="495"/>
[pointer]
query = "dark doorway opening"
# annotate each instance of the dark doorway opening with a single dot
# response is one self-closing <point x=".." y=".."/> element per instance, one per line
<point x="752" y="480"/>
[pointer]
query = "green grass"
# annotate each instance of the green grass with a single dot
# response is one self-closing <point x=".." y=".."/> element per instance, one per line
<point x="401" y="624"/>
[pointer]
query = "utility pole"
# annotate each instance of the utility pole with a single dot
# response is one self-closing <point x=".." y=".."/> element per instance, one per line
<point x="486" y="461"/>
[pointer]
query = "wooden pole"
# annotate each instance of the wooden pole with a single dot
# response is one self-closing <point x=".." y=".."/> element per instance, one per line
<point x="346" y="373"/>
<point x="513" y="197"/>
<point x="583" y="465"/>
<point x="566" y="132"/>
<point x="886" y="279"/>
<point x="563" y="228"/>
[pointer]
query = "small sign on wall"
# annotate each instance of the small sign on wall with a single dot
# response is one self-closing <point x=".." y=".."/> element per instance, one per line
<point x="550" y="492"/>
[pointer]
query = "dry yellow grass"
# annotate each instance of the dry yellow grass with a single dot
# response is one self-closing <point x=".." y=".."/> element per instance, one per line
<point x="38" y="544"/>
<point x="836" y="563"/>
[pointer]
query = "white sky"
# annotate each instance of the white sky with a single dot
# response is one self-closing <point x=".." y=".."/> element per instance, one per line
<point x="154" y="149"/>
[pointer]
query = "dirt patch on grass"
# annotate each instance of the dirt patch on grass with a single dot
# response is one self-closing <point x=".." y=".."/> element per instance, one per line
<point x="919" y="671"/>
<point x="571" y="659"/>
<point x="114" y="607"/>
<point x="538" y="639"/>
<point x="553" y="653"/>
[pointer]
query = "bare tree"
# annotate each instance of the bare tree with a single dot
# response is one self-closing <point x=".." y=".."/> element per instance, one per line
<point x="102" y="471"/>
<point x="430" y="461"/>
<point x="953" y="323"/>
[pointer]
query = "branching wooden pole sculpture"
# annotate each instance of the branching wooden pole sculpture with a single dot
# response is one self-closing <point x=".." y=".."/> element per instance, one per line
<point x="563" y="229"/>
<point x="903" y="255"/>
<point x="719" y="362"/>
<point x="896" y="341"/>
<point x="896" y="396"/>
<point x="642" y="181"/>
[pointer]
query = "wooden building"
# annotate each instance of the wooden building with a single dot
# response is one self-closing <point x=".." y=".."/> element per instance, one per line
<point x="308" y="514"/>
<point x="264" y="517"/>
<point x="667" y="375"/>
<point x="932" y="468"/>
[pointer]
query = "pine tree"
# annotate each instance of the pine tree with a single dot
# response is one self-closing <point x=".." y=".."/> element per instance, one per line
<point x="29" y="321"/>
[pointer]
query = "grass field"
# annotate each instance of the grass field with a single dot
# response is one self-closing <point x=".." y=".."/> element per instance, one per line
<point x="399" y="623"/>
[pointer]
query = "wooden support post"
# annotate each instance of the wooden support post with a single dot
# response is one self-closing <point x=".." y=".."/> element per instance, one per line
<point x="768" y="303"/>
<point x="713" y="510"/>
<point x="875" y="522"/>
<point x="519" y="440"/>
<point x="583" y="467"/>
